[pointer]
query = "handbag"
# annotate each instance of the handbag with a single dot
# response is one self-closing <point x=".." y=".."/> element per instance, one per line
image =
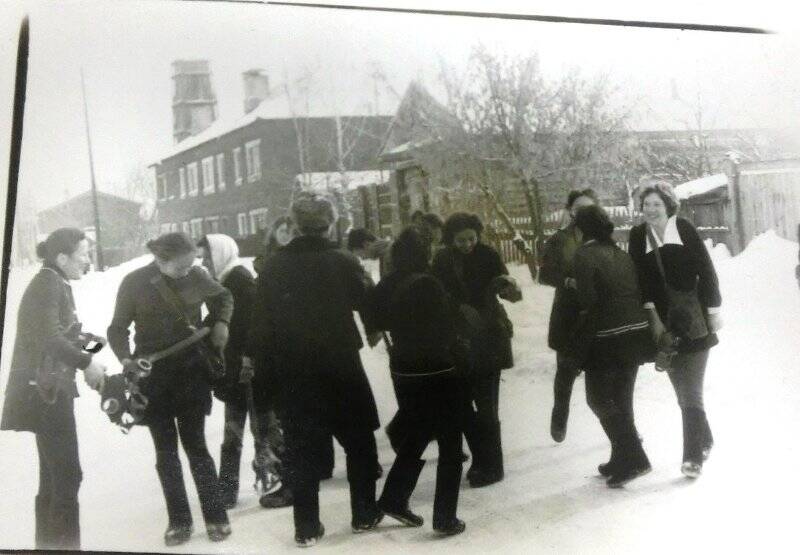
<point x="211" y="358"/>
<point x="685" y="317"/>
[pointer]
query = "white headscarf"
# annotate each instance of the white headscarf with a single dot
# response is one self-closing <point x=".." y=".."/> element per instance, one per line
<point x="224" y="254"/>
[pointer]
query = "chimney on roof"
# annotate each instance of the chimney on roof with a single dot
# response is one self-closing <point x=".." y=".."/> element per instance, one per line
<point x="194" y="105"/>
<point x="256" y="88"/>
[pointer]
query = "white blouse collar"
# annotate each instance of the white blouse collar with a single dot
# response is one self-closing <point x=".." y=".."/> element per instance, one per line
<point x="671" y="235"/>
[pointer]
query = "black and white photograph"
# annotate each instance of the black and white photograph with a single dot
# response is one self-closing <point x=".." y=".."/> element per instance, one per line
<point x="399" y="277"/>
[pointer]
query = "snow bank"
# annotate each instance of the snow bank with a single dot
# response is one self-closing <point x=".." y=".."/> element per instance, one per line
<point x="701" y="186"/>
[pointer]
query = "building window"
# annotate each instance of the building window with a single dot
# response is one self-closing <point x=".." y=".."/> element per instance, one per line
<point x="223" y="224"/>
<point x="258" y="220"/>
<point x="174" y="227"/>
<point x="253" y="160"/>
<point x="161" y="187"/>
<point x="186" y="228"/>
<point x="237" y="165"/>
<point x="191" y="174"/>
<point x="163" y="228"/>
<point x="241" y="220"/>
<point x="182" y="181"/>
<point x="208" y="175"/>
<point x="221" y="172"/>
<point x="196" y="228"/>
<point x="212" y="224"/>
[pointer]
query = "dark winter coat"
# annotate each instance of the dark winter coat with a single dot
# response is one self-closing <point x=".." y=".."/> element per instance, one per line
<point x="179" y="382"/>
<point x="303" y="317"/>
<point x="610" y="301"/>
<point x="686" y="265"/>
<point x="471" y="280"/>
<point x="556" y="267"/>
<point x="46" y="311"/>
<point x="242" y="286"/>
<point x="422" y="321"/>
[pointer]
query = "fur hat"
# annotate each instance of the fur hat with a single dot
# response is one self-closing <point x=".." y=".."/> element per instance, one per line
<point x="313" y="212"/>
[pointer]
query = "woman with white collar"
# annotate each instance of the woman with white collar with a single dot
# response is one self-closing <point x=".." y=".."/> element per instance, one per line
<point x="681" y="292"/>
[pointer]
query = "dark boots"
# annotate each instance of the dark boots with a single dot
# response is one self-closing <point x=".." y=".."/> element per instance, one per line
<point x="400" y="484"/>
<point x="628" y="459"/>
<point x="697" y="441"/>
<point x="487" y="460"/>
<point x="558" y="423"/>
<point x="57" y="524"/>
<point x="229" y="462"/>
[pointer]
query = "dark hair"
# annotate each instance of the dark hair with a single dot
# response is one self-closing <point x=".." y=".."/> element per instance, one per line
<point x="457" y="223"/>
<point x="432" y="220"/>
<point x="272" y="241"/>
<point x="665" y="192"/>
<point x="595" y="224"/>
<point x="417" y="216"/>
<point x="411" y="251"/>
<point x="171" y="245"/>
<point x="64" y="240"/>
<point x="575" y="194"/>
<point x="359" y="237"/>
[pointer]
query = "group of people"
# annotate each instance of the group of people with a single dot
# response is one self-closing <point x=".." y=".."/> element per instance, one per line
<point x="290" y="347"/>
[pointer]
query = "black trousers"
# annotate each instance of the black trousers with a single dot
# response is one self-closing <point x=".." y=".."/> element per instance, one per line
<point x="565" y="377"/>
<point x="56" y="507"/>
<point x="610" y="380"/>
<point x="432" y="410"/>
<point x="482" y="428"/>
<point x="306" y="443"/>
<point x="191" y="430"/>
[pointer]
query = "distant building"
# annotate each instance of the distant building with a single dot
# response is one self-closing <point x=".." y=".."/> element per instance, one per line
<point x="120" y="224"/>
<point x="239" y="174"/>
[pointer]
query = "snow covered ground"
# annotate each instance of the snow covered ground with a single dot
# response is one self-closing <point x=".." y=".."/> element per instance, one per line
<point x="551" y="500"/>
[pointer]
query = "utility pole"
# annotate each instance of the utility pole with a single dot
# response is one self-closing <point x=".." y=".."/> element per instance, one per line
<point x="98" y="243"/>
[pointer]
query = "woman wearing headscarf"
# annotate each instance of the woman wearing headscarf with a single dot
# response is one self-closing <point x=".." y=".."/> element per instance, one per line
<point x="221" y="259"/>
<point x="163" y="301"/>
<point x="46" y="408"/>
<point x="682" y="298"/>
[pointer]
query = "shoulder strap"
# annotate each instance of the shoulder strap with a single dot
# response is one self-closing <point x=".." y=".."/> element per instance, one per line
<point x="659" y="262"/>
<point x="173" y="300"/>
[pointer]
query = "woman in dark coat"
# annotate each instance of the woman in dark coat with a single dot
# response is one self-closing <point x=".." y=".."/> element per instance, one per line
<point x="688" y="268"/>
<point x="413" y="306"/>
<point x="46" y="312"/>
<point x="178" y="388"/>
<point x="474" y="275"/>
<point x="557" y="271"/>
<point x="611" y="341"/>
<point x="221" y="259"/>
<point x="303" y="316"/>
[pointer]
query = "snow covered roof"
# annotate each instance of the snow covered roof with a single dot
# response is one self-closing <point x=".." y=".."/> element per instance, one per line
<point x="324" y="181"/>
<point x="701" y="186"/>
<point x="274" y="108"/>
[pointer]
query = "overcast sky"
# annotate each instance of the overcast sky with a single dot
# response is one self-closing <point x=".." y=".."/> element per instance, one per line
<point x="126" y="49"/>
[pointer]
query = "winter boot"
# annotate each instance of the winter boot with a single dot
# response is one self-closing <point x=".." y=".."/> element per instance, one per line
<point x="44" y="539"/>
<point x="400" y="484"/>
<point x="310" y="540"/>
<point x="492" y="470"/>
<point x="632" y="460"/>
<point x="558" y="423"/>
<point x="218" y="532"/>
<point x="708" y="438"/>
<point x="451" y="528"/>
<point x="445" y="500"/>
<point x="475" y="442"/>
<point x="177" y="535"/>
<point x="229" y="461"/>
<point x="693" y="439"/>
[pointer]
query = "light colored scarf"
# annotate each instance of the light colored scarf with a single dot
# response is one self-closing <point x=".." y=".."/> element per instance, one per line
<point x="224" y="255"/>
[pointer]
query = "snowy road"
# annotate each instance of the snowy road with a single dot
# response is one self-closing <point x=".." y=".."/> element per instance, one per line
<point x="551" y="499"/>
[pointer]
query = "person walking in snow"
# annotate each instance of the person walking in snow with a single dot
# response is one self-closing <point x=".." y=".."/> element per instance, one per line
<point x="34" y="404"/>
<point x="163" y="301"/>
<point x="221" y="259"/>
<point x="557" y="271"/>
<point x="304" y="315"/>
<point x="681" y="293"/>
<point x="413" y="306"/>
<point x="610" y="339"/>
<point x="474" y="275"/>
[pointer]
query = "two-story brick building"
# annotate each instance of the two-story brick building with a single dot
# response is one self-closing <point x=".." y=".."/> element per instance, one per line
<point x="236" y="176"/>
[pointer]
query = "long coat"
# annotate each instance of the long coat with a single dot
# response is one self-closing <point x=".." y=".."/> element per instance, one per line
<point x="303" y="317"/>
<point x="470" y="279"/>
<point x="177" y="383"/>
<point x="242" y="286"/>
<point x="557" y="265"/>
<point x="46" y="311"/>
